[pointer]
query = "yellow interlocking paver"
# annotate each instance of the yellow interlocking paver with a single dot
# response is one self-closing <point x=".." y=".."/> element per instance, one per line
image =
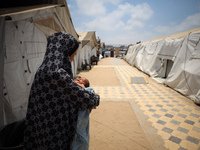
<point x="194" y="134"/>
<point x="179" y="134"/>
<point x="193" y="118"/>
<point x="166" y="119"/>
<point x="164" y="135"/>
<point x="171" y="145"/>
<point x="186" y="126"/>
<point x="185" y="112"/>
<point x="153" y="119"/>
<point x="160" y="112"/>
<point x="175" y="118"/>
<point x="189" y="145"/>
<point x="179" y="118"/>
<point x="157" y="126"/>
<point x="171" y="126"/>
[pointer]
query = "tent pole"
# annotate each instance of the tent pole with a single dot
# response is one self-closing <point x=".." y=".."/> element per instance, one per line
<point x="2" y="29"/>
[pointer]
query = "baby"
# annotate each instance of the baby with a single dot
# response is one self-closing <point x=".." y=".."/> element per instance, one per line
<point x="81" y="140"/>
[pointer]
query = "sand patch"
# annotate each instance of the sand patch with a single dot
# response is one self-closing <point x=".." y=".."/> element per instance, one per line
<point x="101" y="76"/>
<point x="114" y="126"/>
<point x="105" y="61"/>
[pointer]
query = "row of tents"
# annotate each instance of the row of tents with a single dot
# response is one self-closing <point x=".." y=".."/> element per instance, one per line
<point x="172" y="60"/>
<point x="24" y="27"/>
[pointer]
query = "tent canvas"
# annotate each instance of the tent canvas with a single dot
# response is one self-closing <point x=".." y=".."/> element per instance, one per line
<point x="173" y="59"/>
<point x="185" y="73"/>
<point x="89" y="43"/>
<point x="23" y="46"/>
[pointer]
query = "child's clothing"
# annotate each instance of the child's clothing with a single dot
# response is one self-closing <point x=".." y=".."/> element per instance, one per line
<point x="81" y="140"/>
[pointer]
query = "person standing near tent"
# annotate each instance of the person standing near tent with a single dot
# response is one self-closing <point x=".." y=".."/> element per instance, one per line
<point x="81" y="139"/>
<point x="55" y="99"/>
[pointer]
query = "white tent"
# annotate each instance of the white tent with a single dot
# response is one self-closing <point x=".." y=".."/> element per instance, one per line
<point x="102" y="47"/>
<point x="89" y="47"/>
<point x="185" y="73"/>
<point x="172" y="60"/>
<point x="22" y="47"/>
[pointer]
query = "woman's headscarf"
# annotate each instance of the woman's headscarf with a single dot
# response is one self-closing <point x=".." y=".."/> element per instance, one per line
<point x="55" y="98"/>
<point x="60" y="46"/>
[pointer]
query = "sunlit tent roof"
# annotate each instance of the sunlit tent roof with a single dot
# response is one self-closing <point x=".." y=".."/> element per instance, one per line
<point x="88" y="38"/>
<point x="13" y="7"/>
<point x="176" y="35"/>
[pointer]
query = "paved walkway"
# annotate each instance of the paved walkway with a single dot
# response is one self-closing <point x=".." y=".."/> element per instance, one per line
<point x="168" y="120"/>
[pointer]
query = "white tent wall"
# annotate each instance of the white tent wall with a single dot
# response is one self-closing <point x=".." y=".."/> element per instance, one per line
<point x="88" y="51"/>
<point x="81" y="57"/>
<point x="25" y="46"/>
<point x="101" y="51"/>
<point x="131" y="52"/>
<point x="84" y="56"/>
<point x="129" y="56"/>
<point x="149" y="57"/>
<point x="89" y="44"/>
<point x="102" y="47"/>
<point x="155" y="62"/>
<point x="174" y="59"/>
<point x="193" y="73"/>
<point x="93" y="52"/>
<point x="166" y="55"/>
<point x="157" y="66"/>
<point x="139" y="57"/>
<point x="134" y="54"/>
<point x="76" y="62"/>
<point x="185" y="73"/>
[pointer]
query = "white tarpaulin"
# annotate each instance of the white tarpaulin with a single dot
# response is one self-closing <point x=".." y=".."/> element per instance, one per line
<point x="185" y="73"/>
<point x="26" y="30"/>
<point x="172" y="60"/>
<point x="89" y="43"/>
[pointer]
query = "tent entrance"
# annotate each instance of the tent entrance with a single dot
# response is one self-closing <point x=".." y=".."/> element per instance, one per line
<point x="165" y="68"/>
<point x="168" y="67"/>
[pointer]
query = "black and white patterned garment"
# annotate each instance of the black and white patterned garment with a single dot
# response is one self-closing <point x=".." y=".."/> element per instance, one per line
<point x="55" y="98"/>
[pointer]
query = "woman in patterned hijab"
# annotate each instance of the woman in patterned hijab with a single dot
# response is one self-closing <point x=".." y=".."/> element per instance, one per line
<point x="55" y="98"/>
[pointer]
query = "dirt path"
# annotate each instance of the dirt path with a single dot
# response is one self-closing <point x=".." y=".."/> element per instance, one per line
<point x="113" y="125"/>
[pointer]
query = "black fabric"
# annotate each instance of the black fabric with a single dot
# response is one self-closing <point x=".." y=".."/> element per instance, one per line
<point x="12" y="135"/>
<point x="55" y="98"/>
<point x="20" y="3"/>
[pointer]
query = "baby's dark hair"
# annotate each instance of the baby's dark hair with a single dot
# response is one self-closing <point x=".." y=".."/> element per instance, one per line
<point x="87" y="83"/>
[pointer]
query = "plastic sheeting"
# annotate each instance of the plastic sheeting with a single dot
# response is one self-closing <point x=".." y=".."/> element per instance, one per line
<point x="174" y="59"/>
<point x="89" y="47"/>
<point x="12" y="135"/>
<point x="185" y="73"/>
<point x="25" y="46"/>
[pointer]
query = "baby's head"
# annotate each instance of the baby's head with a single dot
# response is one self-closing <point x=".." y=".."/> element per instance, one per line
<point x="82" y="80"/>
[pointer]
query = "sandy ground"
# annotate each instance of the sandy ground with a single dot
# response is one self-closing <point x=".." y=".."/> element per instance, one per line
<point x="101" y="76"/>
<point x="113" y="125"/>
